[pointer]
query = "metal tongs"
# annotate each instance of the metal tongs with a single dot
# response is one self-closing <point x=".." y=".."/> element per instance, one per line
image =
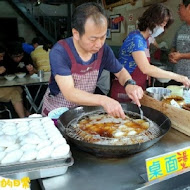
<point x="141" y="112"/>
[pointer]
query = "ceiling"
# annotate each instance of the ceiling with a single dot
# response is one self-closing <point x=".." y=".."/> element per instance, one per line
<point x="58" y="2"/>
<point x="53" y="2"/>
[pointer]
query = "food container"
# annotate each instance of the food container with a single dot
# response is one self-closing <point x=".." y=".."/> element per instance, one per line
<point x="178" y="99"/>
<point x="176" y="90"/>
<point x="39" y="166"/>
<point x="37" y="170"/>
<point x="180" y="118"/>
<point x="158" y="92"/>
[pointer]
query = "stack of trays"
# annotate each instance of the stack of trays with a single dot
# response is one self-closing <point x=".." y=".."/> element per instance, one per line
<point x="32" y="147"/>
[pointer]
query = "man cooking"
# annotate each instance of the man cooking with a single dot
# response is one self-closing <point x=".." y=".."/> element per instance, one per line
<point x="78" y="61"/>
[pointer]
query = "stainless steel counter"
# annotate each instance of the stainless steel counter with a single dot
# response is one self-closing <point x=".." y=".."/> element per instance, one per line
<point x="91" y="173"/>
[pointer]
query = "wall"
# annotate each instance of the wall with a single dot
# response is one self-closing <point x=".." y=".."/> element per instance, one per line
<point x="48" y="10"/>
<point x="24" y="29"/>
<point x="136" y="11"/>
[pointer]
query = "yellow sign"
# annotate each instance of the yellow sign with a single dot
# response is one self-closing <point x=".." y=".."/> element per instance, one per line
<point x="6" y="183"/>
<point x="167" y="164"/>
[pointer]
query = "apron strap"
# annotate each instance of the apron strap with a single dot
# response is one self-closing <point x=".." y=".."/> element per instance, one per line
<point x="100" y="54"/>
<point x="64" y="44"/>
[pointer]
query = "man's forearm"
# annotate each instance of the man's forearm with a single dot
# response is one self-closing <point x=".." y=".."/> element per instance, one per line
<point x="123" y="76"/>
<point x="81" y="97"/>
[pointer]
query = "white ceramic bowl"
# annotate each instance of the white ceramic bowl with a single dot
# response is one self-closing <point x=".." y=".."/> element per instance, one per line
<point x="158" y="92"/>
<point x="20" y="75"/>
<point x="9" y="77"/>
<point x="162" y="80"/>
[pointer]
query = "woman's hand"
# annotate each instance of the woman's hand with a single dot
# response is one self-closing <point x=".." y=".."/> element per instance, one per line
<point x="184" y="80"/>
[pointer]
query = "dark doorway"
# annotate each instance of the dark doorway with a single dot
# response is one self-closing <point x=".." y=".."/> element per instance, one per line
<point x="9" y="30"/>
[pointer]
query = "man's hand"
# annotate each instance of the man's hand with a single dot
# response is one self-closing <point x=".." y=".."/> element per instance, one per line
<point x="174" y="57"/>
<point x="135" y="93"/>
<point x="2" y="69"/>
<point x="112" y="107"/>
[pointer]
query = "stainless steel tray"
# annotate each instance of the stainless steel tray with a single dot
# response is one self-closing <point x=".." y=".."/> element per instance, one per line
<point x="35" y="169"/>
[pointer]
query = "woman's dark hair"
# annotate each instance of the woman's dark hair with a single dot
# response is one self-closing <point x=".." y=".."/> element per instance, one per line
<point x="40" y="41"/>
<point x="186" y="2"/>
<point x="2" y="49"/>
<point x="15" y="48"/>
<point x="153" y="16"/>
<point x="83" y="12"/>
<point x="21" y="40"/>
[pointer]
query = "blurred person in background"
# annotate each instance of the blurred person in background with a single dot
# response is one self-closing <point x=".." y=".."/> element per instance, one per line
<point x="180" y="52"/>
<point x="11" y="94"/>
<point x="17" y="60"/>
<point x="28" y="48"/>
<point x="40" y="55"/>
<point x="133" y="56"/>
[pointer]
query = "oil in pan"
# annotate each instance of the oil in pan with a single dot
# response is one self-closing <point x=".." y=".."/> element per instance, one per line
<point x="101" y="128"/>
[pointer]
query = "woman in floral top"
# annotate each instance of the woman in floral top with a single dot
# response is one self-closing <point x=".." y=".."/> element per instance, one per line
<point x="133" y="51"/>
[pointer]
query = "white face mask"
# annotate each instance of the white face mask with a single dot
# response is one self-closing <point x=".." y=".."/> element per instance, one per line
<point x="157" y="31"/>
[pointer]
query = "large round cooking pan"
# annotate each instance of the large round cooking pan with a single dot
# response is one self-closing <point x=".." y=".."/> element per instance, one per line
<point x="114" y="150"/>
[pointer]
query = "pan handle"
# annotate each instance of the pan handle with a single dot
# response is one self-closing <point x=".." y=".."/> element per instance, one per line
<point x="61" y="127"/>
<point x="163" y="123"/>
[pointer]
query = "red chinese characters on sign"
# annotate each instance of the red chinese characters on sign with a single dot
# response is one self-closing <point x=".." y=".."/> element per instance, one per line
<point x="182" y="159"/>
<point x="169" y="163"/>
